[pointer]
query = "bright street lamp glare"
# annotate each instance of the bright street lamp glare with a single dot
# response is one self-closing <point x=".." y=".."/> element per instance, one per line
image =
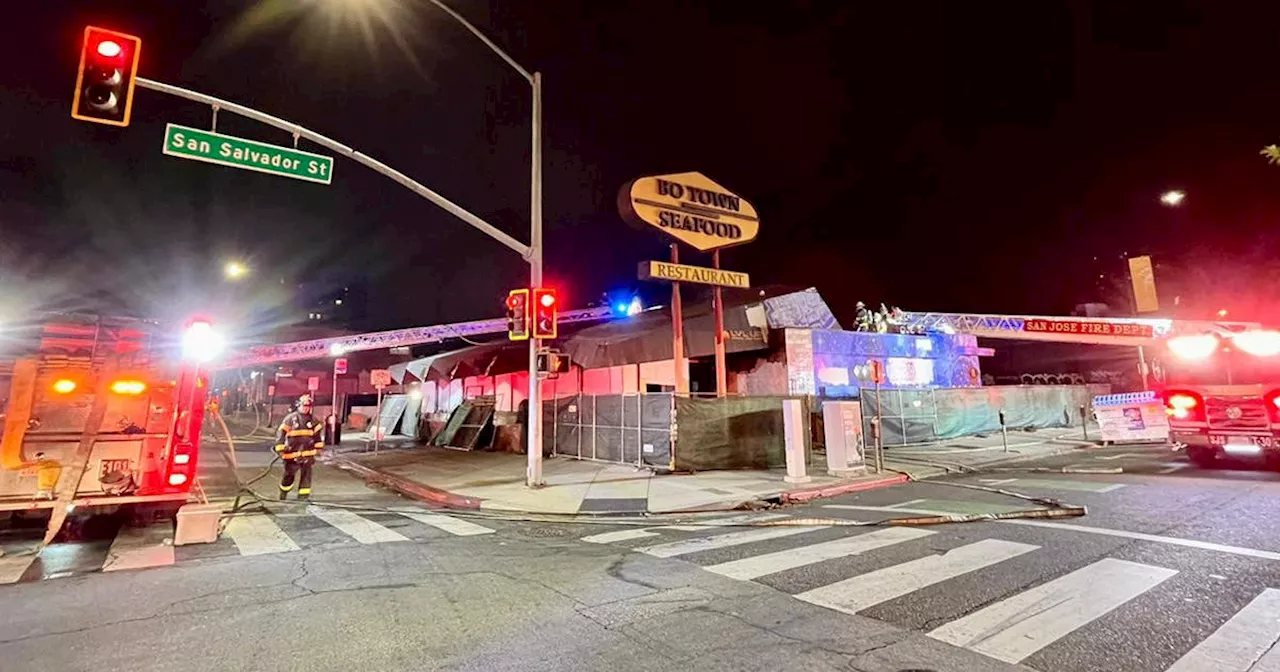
<point x="1173" y="198"/>
<point x="235" y="270"/>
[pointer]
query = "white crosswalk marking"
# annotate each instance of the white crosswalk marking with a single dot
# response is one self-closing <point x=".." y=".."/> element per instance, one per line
<point x="258" y="535"/>
<point x="1012" y="629"/>
<point x="620" y="535"/>
<point x="860" y="592"/>
<point x="139" y="547"/>
<point x="1249" y="642"/>
<point x="454" y="526"/>
<point x="770" y="563"/>
<point x="12" y="567"/>
<point x="723" y="541"/>
<point x="361" y="529"/>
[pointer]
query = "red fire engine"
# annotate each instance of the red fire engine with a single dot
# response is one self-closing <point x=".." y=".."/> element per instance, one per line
<point x="1222" y="393"/>
<point x="101" y="413"/>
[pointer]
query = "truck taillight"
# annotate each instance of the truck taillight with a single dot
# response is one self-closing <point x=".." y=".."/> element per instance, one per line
<point x="1184" y="405"/>
<point x="64" y="386"/>
<point x="132" y="387"/>
<point x="177" y="479"/>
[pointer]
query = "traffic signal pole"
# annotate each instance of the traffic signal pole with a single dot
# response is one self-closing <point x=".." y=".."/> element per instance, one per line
<point x="533" y="444"/>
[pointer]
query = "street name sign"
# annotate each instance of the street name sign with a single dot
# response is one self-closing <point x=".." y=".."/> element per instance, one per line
<point x="193" y="143"/>
<point x="663" y="270"/>
<point x="691" y="208"/>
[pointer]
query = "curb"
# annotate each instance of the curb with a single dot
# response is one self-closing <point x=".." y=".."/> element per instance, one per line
<point x="801" y="496"/>
<point x="407" y="487"/>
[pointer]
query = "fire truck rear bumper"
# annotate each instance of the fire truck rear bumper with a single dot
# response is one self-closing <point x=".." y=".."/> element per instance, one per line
<point x="1234" y="445"/>
<point x="27" y="504"/>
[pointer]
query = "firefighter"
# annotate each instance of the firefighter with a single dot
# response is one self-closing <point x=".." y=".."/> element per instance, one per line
<point x="301" y="438"/>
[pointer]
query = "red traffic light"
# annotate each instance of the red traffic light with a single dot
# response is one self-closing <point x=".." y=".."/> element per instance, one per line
<point x="106" y="78"/>
<point x="518" y="314"/>
<point x="109" y="49"/>
<point x="544" y="322"/>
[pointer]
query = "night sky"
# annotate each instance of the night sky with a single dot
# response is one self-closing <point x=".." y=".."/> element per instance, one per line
<point x="939" y="156"/>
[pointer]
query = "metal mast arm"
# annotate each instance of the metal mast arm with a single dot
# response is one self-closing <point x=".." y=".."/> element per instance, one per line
<point x="335" y="146"/>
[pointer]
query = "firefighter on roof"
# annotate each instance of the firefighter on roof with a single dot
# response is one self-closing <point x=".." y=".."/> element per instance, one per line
<point x="301" y="438"/>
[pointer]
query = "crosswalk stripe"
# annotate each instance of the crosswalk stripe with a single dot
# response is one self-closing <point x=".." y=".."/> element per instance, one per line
<point x="12" y="567"/>
<point x="620" y="535"/>
<point x="771" y="563"/>
<point x="454" y="526"/>
<point x="1086" y="529"/>
<point x="723" y="541"/>
<point x="1246" y="643"/>
<point x="1012" y="629"/>
<point x="140" y="547"/>
<point x="258" y="535"/>
<point x="361" y="529"/>
<point x="867" y="590"/>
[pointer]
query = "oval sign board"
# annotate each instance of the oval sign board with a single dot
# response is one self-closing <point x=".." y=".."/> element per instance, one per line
<point x="691" y="208"/>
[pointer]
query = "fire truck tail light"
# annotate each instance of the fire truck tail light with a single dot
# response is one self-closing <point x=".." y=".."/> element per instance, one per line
<point x="181" y="459"/>
<point x="177" y="479"/>
<point x="1193" y="346"/>
<point x="64" y="386"/>
<point x="129" y="387"/>
<point x="1259" y="343"/>
<point x="1183" y="405"/>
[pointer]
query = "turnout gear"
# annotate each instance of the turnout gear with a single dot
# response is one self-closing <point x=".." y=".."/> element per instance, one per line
<point x="300" y="439"/>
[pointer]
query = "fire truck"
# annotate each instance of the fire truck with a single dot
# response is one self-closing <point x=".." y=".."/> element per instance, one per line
<point x="101" y="414"/>
<point x="1222" y="393"/>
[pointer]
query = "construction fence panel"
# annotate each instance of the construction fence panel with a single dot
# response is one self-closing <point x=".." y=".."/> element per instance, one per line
<point x="620" y="428"/>
<point x="730" y="433"/>
<point x="923" y="416"/>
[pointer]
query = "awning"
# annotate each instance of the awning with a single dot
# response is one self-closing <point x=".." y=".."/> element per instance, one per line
<point x="490" y="359"/>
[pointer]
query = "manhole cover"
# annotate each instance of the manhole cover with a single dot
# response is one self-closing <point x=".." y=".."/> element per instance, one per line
<point x="544" y="532"/>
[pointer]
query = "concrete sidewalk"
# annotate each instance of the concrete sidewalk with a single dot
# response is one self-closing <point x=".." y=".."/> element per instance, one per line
<point x="496" y="481"/>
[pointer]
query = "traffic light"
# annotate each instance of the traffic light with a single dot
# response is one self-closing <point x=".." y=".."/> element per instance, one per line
<point x="544" y="312"/>
<point x="518" y="315"/>
<point x="104" y="84"/>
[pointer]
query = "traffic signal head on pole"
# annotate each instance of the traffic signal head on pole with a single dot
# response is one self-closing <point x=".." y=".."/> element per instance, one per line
<point x="104" y="84"/>
<point x="544" y="312"/>
<point x="518" y="315"/>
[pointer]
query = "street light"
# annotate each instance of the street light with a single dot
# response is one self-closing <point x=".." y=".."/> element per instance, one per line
<point x="234" y="270"/>
<point x="1173" y="198"/>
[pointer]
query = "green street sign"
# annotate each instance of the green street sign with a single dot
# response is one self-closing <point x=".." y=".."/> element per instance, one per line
<point x="193" y="143"/>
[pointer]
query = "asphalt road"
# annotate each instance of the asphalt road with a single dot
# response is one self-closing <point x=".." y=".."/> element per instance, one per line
<point x="1175" y="570"/>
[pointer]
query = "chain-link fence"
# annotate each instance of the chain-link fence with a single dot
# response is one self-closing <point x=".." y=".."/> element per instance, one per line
<point x="623" y="428"/>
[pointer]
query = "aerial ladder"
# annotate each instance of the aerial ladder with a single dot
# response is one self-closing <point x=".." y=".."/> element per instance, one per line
<point x="396" y="338"/>
<point x="1131" y="331"/>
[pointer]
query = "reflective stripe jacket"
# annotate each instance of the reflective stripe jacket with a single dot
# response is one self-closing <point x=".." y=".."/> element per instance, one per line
<point x="300" y="435"/>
